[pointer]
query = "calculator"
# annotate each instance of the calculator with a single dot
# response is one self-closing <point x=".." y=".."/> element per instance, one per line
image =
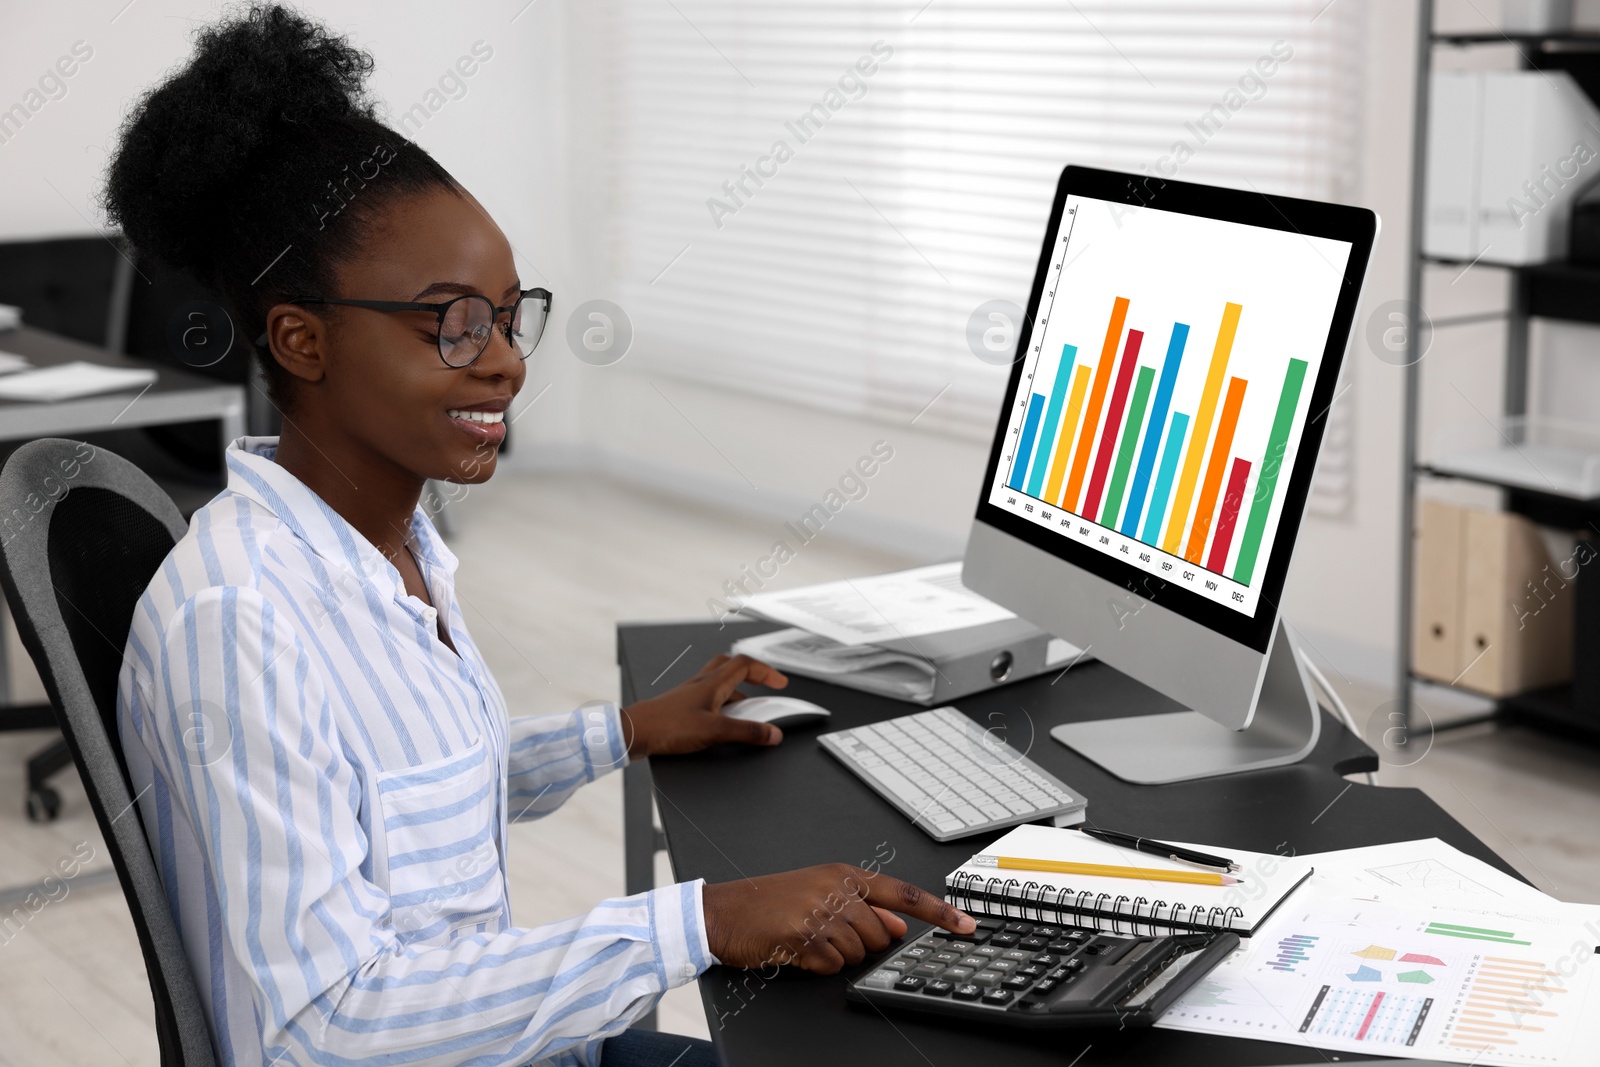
<point x="1039" y="976"/>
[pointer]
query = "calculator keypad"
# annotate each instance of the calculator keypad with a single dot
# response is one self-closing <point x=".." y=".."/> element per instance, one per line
<point x="1002" y="965"/>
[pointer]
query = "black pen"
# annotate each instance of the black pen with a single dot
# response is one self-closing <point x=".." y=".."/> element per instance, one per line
<point x="1158" y="848"/>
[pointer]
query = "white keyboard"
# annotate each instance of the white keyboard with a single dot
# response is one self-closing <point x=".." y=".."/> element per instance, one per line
<point x="951" y="777"/>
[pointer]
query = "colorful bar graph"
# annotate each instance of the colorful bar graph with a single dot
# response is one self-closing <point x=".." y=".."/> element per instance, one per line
<point x="1293" y="951"/>
<point x="1232" y="497"/>
<point x="1152" y="434"/>
<point x="1271" y="467"/>
<point x="1130" y="438"/>
<point x="1052" y="416"/>
<point x="1101" y="439"/>
<point x="1169" y="464"/>
<point x="1030" y="427"/>
<point x="1108" y="435"/>
<point x="1473" y="933"/>
<point x="1080" y="386"/>
<point x="1219" y="461"/>
<point x="1097" y="397"/>
<point x="1202" y="428"/>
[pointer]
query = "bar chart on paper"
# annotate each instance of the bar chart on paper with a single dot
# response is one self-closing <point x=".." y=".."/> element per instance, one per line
<point x="1166" y="388"/>
<point x="1496" y="988"/>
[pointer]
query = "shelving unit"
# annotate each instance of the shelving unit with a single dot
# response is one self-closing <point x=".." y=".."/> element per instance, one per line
<point x="1564" y="291"/>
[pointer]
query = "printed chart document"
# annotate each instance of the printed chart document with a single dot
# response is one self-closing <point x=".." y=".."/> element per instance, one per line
<point x="1400" y="870"/>
<point x="1454" y="961"/>
<point x="884" y="607"/>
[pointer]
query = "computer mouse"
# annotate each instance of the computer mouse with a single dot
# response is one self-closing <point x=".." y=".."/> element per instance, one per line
<point x="781" y="712"/>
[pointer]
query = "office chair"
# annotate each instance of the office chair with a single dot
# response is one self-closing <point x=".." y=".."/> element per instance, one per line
<point x="67" y="285"/>
<point x="73" y="573"/>
<point x="89" y="289"/>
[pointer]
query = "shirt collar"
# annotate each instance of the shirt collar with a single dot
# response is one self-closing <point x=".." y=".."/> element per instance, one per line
<point x="254" y="473"/>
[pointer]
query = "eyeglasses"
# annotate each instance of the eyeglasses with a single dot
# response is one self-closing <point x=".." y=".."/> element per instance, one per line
<point x="466" y="322"/>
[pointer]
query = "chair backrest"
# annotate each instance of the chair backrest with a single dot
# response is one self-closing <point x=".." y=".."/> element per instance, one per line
<point x="82" y="532"/>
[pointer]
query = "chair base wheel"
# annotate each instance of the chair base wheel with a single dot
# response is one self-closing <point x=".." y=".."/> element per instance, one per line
<point x="44" y="804"/>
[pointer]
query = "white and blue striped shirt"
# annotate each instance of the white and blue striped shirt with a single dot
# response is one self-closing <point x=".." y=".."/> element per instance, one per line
<point x="327" y="786"/>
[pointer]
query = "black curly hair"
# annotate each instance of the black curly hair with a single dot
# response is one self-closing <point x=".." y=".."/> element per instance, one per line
<point x="260" y="166"/>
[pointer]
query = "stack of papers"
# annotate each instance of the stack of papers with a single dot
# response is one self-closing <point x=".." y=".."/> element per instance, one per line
<point x="884" y="607"/>
<point x="869" y="668"/>
<point x="10" y="361"/>
<point x="862" y="632"/>
<point x="1414" y="950"/>
<point x="865" y="667"/>
<point x="67" y="381"/>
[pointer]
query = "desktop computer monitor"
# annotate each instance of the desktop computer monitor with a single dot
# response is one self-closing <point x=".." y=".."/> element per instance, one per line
<point x="1174" y="371"/>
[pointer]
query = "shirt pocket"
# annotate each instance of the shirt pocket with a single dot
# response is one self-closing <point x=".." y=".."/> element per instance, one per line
<point x="438" y="822"/>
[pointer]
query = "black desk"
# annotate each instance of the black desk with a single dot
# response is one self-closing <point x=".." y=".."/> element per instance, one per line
<point x="729" y="813"/>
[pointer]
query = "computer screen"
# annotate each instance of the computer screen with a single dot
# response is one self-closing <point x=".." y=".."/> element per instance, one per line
<point x="1177" y="351"/>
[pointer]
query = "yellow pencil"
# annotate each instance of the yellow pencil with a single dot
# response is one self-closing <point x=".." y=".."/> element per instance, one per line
<point x="1102" y="870"/>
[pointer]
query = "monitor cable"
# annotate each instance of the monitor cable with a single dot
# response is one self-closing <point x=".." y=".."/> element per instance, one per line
<point x="1337" y="705"/>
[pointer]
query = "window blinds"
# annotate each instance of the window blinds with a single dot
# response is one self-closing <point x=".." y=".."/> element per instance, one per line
<point x="810" y="200"/>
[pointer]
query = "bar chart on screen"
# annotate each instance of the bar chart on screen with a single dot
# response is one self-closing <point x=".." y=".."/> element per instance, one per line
<point x="1165" y="390"/>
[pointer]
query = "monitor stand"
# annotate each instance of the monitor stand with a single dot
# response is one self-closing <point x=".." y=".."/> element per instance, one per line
<point x="1185" y="745"/>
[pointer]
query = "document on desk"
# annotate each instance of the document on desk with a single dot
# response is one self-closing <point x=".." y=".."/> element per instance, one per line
<point x="866" y="667"/>
<point x="10" y="361"/>
<point x="67" y="381"/>
<point x="1399" y="870"/>
<point x="1469" y="977"/>
<point x="883" y="607"/>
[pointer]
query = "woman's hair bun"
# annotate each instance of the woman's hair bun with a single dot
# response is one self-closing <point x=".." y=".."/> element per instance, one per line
<point x="258" y="167"/>
<point x="259" y="78"/>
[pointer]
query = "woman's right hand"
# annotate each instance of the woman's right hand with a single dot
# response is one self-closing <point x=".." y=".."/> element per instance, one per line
<point x="818" y="919"/>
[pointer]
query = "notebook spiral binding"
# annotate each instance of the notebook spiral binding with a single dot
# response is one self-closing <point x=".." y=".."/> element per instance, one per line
<point x="1038" y="901"/>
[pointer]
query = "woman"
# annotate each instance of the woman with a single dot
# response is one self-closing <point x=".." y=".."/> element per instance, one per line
<point x="325" y="766"/>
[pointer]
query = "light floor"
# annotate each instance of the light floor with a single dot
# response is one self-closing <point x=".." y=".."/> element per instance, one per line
<point x="549" y="564"/>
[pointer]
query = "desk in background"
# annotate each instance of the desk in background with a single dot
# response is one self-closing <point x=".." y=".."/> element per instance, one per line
<point x="176" y="396"/>
<point x="731" y="812"/>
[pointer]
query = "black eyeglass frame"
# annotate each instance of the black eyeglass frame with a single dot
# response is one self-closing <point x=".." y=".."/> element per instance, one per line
<point x="441" y="309"/>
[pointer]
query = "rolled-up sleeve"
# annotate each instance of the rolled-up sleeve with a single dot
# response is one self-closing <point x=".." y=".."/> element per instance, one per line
<point x="240" y="724"/>
<point x="552" y="755"/>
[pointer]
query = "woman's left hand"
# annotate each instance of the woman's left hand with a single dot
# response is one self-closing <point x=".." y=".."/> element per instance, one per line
<point x="688" y="717"/>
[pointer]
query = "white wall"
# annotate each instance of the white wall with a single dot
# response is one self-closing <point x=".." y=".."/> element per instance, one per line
<point x="714" y="444"/>
<point x="1341" y="588"/>
<point x="501" y="131"/>
<point x="526" y="139"/>
<point x="494" y="134"/>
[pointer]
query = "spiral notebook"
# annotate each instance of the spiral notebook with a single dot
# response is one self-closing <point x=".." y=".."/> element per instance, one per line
<point x="1121" y="905"/>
